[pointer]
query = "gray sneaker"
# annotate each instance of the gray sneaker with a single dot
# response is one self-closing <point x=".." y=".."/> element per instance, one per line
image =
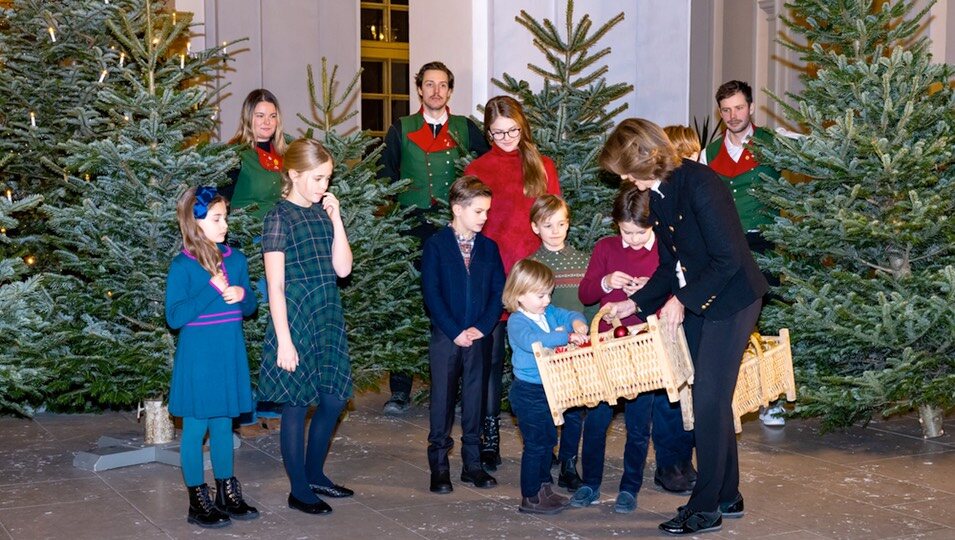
<point x="584" y="496"/>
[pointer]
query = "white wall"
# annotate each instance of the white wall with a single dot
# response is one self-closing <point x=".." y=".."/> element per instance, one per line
<point x="284" y="36"/>
<point x="650" y="48"/>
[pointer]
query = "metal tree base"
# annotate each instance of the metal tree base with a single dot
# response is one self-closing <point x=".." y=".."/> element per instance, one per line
<point x="125" y="450"/>
<point x="931" y="419"/>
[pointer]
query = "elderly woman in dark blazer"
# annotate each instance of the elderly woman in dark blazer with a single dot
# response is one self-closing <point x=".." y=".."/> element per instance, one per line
<point x="707" y="280"/>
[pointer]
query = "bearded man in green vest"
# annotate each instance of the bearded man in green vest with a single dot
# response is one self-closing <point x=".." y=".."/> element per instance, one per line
<point x="732" y="160"/>
<point x="424" y="147"/>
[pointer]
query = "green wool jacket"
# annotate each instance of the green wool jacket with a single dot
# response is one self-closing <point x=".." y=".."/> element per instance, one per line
<point x="741" y="177"/>
<point x="431" y="169"/>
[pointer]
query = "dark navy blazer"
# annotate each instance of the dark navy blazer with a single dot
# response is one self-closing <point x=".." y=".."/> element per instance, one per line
<point x="457" y="298"/>
<point x="697" y="223"/>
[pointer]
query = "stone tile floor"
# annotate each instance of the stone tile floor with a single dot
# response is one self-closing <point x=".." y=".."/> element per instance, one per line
<point x="881" y="482"/>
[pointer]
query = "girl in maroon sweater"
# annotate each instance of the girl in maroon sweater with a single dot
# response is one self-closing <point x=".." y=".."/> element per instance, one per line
<point x="517" y="174"/>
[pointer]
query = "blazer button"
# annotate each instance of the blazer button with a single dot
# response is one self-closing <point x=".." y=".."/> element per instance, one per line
<point x="671" y="228"/>
<point x="680" y="217"/>
<point x="657" y="223"/>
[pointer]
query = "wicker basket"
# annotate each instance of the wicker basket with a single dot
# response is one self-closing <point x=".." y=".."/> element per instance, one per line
<point x="765" y="373"/>
<point x="611" y="368"/>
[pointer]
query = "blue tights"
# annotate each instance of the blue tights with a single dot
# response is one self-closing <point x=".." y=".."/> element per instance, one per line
<point x="220" y="448"/>
<point x="302" y="466"/>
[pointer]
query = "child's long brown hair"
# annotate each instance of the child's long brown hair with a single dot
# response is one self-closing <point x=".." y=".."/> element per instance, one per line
<point x="532" y="166"/>
<point x="194" y="240"/>
<point x="302" y="155"/>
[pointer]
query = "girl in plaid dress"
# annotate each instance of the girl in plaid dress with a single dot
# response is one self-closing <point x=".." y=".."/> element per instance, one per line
<point x="305" y="357"/>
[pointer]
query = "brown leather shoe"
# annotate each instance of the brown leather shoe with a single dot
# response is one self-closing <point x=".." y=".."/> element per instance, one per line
<point x="548" y="491"/>
<point x="545" y="502"/>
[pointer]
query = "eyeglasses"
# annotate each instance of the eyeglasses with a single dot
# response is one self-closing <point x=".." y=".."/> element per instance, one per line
<point x="512" y="133"/>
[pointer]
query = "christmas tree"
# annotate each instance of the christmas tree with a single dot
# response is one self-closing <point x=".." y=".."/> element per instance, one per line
<point x="387" y="328"/>
<point x="115" y="243"/>
<point x="572" y="114"/>
<point x="865" y="246"/>
<point x="23" y="319"/>
<point x="52" y="55"/>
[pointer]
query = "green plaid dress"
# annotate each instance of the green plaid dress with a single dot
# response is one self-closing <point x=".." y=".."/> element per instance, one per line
<point x="315" y="315"/>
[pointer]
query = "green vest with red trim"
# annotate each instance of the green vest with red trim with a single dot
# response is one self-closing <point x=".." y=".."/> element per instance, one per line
<point x="741" y="176"/>
<point x="428" y="160"/>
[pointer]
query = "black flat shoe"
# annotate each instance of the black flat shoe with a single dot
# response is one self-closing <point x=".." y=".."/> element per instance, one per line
<point x="690" y="522"/>
<point x="335" y="491"/>
<point x="320" y="507"/>
<point x="478" y="478"/>
<point x="441" y="482"/>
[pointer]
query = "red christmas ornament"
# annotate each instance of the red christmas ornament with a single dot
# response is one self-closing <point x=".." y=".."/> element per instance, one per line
<point x="621" y="331"/>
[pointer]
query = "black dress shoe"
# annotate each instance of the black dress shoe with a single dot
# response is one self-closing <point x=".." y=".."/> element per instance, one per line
<point x="441" y="482"/>
<point x="690" y="522"/>
<point x="334" y="491"/>
<point x="320" y="507"/>
<point x="479" y="478"/>
<point x="671" y="479"/>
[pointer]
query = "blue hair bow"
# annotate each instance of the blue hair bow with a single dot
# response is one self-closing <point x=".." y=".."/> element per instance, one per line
<point x="204" y="195"/>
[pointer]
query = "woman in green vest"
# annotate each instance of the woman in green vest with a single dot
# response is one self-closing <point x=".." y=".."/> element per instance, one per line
<point x="258" y="180"/>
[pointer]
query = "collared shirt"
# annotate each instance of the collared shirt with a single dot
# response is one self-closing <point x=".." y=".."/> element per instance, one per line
<point x="538" y="318"/>
<point x="735" y="151"/>
<point x="466" y="245"/>
<point x="435" y="122"/>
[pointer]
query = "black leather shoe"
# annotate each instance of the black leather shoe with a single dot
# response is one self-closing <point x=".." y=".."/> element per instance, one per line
<point x="690" y="522"/>
<point x="568" y="475"/>
<point x="479" y="478"/>
<point x="733" y="509"/>
<point x="203" y="511"/>
<point x="320" y="507"/>
<point x="441" y="482"/>
<point x="335" y="491"/>
<point x="671" y="479"/>
<point x="689" y="472"/>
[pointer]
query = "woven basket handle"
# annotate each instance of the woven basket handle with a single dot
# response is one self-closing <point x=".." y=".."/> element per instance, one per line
<point x="595" y="325"/>
<point x="755" y="340"/>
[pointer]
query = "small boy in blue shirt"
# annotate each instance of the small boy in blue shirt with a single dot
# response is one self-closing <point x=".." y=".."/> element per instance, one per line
<point x="462" y="279"/>
<point x="533" y="319"/>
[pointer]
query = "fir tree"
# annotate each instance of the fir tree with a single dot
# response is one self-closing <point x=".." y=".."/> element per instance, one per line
<point x="572" y="114"/>
<point x="866" y="244"/>
<point x="23" y="321"/>
<point x="387" y="329"/>
<point x="116" y="242"/>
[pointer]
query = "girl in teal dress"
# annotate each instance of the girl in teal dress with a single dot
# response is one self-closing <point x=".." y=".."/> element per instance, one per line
<point x="207" y="295"/>
<point x="305" y="357"/>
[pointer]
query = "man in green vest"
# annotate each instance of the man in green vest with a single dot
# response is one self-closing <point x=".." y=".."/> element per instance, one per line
<point x="730" y="158"/>
<point x="424" y="147"/>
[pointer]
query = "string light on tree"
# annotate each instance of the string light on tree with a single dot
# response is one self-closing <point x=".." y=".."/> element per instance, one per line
<point x="52" y="33"/>
<point x="122" y="58"/>
<point x="32" y="119"/>
<point x="182" y="61"/>
<point x="102" y="76"/>
<point x="9" y="195"/>
<point x="30" y="260"/>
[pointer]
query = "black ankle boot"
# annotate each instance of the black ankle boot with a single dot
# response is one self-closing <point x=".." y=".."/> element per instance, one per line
<point x="568" y="475"/>
<point x="202" y="511"/>
<point x="229" y="500"/>
<point x="491" y="443"/>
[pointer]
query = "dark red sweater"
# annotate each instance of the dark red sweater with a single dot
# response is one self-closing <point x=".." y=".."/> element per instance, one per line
<point x="509" y="221"/>
<point x="608" y="257"/>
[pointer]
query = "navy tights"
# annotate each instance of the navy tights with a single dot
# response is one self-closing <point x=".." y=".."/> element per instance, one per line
<point x="306" y="466"/>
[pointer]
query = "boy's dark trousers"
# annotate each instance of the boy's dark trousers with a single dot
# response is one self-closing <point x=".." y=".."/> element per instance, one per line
<point x="450" y="363"/>
<point x="529" y="403"/>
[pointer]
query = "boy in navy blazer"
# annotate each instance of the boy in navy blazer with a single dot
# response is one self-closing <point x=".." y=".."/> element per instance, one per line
<point x="462" y="279"/>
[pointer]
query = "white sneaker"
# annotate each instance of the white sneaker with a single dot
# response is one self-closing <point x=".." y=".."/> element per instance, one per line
<point x="772" y="416"/>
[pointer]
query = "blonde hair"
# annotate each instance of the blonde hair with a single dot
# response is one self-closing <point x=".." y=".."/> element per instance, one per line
<point x="546" y="206"/>
<point x="639" y="147"/>
<point x="302" y="155"/>
<point x="527" y="275"/>
<point x="205" y="251"/>
<point x="532" y="165"/>
<point x="684" y="139"/>
<point x="244" y="134"/>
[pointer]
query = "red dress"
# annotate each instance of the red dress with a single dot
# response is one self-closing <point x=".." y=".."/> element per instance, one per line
<point x="509" y="220"/>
